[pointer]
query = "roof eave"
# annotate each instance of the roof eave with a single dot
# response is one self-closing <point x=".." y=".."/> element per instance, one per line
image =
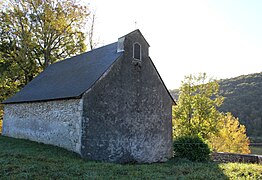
<point x="45" y="100"/>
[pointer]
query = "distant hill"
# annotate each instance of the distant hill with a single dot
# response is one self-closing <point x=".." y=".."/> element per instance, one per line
<point x="243" y="98"/>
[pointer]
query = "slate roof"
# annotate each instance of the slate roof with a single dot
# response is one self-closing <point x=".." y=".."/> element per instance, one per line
<point x="69" y="78"/>
<point x="137" y="30"/>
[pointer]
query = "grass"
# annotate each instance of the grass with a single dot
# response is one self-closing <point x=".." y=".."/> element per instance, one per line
<point x="22" y="159"/>
<point x="256" y="150"/>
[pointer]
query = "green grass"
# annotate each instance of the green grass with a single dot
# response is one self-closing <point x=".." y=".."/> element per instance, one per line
<point x="256" y="150"/>
<point x="22" y="159"/>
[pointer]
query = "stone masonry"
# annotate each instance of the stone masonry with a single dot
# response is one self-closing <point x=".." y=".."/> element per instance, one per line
<point x="127" y="115"/>
<point x="51" y="122"/>
<point x="111" y="106"/>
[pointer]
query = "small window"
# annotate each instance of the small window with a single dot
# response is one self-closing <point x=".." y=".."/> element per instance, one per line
<point x="137" y="51"/>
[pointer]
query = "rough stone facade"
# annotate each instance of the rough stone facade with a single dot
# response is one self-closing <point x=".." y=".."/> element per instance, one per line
<point x="127" y="114"/>
<point x="51" y="122"/>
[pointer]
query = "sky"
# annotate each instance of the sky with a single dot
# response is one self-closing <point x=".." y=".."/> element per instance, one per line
<point x="222" y="38"/>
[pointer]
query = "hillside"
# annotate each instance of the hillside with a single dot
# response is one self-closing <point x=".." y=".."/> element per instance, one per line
<point x="243" y="97"/>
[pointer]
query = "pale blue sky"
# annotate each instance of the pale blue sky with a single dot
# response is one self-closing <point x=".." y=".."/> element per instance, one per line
<point x="246" y="15"/>
<point x="220" y="37"/>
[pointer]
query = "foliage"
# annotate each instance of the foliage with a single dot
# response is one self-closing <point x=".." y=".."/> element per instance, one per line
<point x="256" y="150"/>
<point x="22" y="159"/>
<point x="243" y="98"/>
<point x="191" y="147"/>
<point x="34" y="34"/>
<point x="1" y="125"/>
<point x="231" y="136"/>
<point x="242" y="171"/>
<point x="1" y="115"/>
<point x="196" y="112"/>
<point x="7" y="88"/>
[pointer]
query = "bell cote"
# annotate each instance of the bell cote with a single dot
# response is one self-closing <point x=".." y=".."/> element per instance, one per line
<point x="134" y="46"/>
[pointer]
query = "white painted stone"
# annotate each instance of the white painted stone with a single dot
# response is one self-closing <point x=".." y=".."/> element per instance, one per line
<point x="53" y="122"/>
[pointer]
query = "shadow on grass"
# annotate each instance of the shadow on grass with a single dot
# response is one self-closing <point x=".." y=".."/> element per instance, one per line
<point x="23" y="159"/>
<point x="184" y="168"/>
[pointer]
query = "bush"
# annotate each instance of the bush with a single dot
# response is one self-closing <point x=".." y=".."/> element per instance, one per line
<point x="1" y="123"/>
<point x="191" y="147"/>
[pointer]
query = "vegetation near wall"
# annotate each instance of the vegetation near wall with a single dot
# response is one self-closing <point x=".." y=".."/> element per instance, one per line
<point x="35" y="34"/>
<point x="1" y="125"/>
<point x="1" y="120"/>
<point x="243" y="98"/>
<point x="193" y="148"/>
<point x="196" y="114"/>
<point x="23" y="159"/>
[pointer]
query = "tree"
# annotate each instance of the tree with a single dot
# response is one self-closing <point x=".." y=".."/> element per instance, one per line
<point x="8" y="85"/>
<point x="196" y="112"/>
<point x="1" y="124"/>
<point x="91" y="30"/>
<point x="36" y="33"/>
<point x="231" y="136"/>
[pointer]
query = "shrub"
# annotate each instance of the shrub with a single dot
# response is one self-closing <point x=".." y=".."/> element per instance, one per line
<point x="1" y="116"/>
<point x="191" y="147"/>
<point x="1" y="123"/>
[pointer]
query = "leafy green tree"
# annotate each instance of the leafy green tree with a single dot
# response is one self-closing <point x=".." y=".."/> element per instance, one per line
<point x="1" y="124"/>
<point x="243" y="98"/>
<point x="35" y="34"/>
<point x="9" y="82"/>
<point x="196" y="112"/>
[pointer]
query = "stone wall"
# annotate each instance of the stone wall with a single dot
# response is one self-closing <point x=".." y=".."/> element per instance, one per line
<point x="232" y="157"/>
<point x="127" y="114"/>
<point x="52" y="122"/>
<point x="125" y="117"/>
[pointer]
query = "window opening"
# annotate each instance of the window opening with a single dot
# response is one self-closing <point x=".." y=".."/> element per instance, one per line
<point x="137" y="51"/>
